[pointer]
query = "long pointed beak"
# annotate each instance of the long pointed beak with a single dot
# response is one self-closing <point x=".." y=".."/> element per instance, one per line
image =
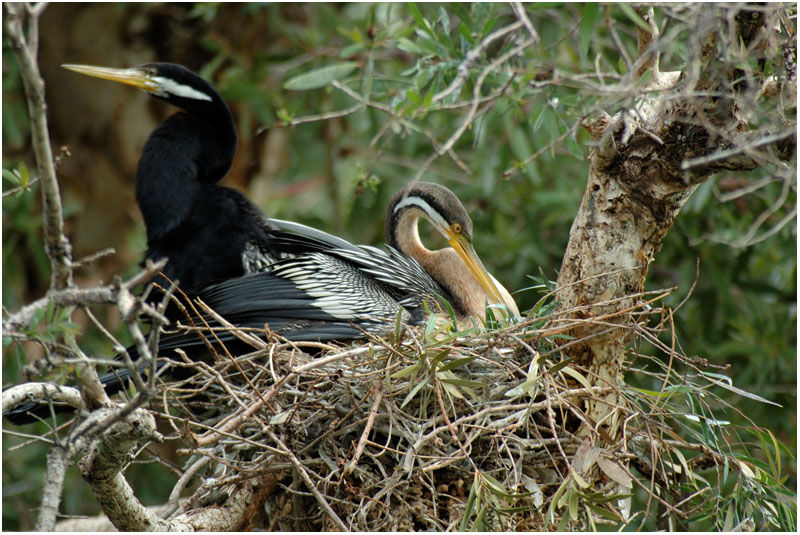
<point x="467" y="253"/>
<point x="133" y="77"/>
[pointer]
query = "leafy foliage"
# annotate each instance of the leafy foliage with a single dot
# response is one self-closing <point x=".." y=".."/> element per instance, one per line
<point x="338" y="105"/>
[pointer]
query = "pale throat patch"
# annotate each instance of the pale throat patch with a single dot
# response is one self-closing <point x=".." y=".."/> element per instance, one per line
<point x="170" y="87"/>
<point x="433" y="216"/>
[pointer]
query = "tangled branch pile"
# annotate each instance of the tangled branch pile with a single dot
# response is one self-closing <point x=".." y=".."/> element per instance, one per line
<point x="434" y="428"/>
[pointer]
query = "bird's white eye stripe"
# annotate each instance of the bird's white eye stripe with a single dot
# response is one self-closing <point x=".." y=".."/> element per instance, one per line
<point x="431" y="214"/>
<point x="170" y="87"/>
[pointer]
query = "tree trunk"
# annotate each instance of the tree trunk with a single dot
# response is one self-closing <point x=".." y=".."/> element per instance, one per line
<point x="645" y="164"/>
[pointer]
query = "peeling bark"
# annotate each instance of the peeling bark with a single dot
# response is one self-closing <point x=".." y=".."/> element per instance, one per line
<point x="644" y="166"/>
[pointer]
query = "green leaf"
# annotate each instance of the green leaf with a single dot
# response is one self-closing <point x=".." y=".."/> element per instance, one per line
<point x="471" y="500"/>
<point x="320" y="77"/>
<point x="405" y="372"/>
<point x="414" y="97"/>
<point x="457" y="363"/>
<point x="555" y="367"/>
<point x="284" y="115"/>
<point x="464" y="383"/>
<point x="572" y="505"/>
<point x="24" y="175"/>
<point x="497" y="488"/>
<point x="652" y="393"/>
<point x="579" y="480"/>
<point x="575" y="148"/>
<point x="352" y="33"/>
<point x="572" y="372"/>
<point x="430" y="46"/>
<point x="407" y="45"/>
<point x="554" y="501"/>
<point x="439" y="356"/>
<point x="635" y="18"/>
<point x="452" y="390"/>
<point x="488" y="27"/>
<point x="430" y="327"/>
<point x="422" y="79"/>
<point x="463" y="29"/>
<point x="398" y="324"/>
<point x="351" y="50"/>
<point x="11" y="176"/>
<point x="413" y="393"/>
<point x="537" y="123"/>
<point x="461" y="12"/>
<point x="420" y="20"/>
<point x="726" y="384"/>
<point x="586" y="30"/>
<point x="605" y="513"/>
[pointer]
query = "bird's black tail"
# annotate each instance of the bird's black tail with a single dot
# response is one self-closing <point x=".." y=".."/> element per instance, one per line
<point x="31" y="412"/>
<point x="252" y="301"/>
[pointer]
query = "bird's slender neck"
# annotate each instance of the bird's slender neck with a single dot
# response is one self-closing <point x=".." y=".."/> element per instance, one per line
<point x="404" y="236"/>
<point x="467" y="296"/>
<point x="188" y="153"/>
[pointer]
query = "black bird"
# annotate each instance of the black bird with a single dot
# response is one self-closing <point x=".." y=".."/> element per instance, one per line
<point x="204" y="229"/>
<point x="208" y="232"/>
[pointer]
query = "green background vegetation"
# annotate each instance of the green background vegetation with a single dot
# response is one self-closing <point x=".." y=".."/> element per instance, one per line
<point x="338" y="174"/>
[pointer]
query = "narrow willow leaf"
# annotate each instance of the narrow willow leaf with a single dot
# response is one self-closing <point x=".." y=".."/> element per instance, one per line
<point x="587" y="28"/>
<point x="577" y="376"/>
<point x="320" y="77"/>
<point x="635" y="18"/>
<point x="614" y="471"/>
<point x="457" y="363"/>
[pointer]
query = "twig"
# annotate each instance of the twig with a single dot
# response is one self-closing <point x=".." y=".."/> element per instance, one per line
<point x="174" y="496"/>
<point x="473" y="110"/>
<point x="739" y="148"/>
<point x="471" y="58"/>
<point x="646" y="45"/>
<point x="313" y="118"/>
<point x="84" y="296"/>
<point x="233" y="421"/>
<point x="58" y="247"/>
<point x="38" y="391"/>
<point x="531" y="407"/>
<point x="386" y="109"/>
<point x="615" y="37"/>
<point x="309" y="484"/>
<point x="17" y="189"/>
<point x="519" y="11"/>
<point x="93" y="257"/>
<point x="102" y="468"/>
<point x="378" y="394"/>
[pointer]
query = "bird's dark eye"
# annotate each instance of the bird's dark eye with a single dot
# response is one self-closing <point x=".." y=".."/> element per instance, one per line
<point x="456" y="228"/>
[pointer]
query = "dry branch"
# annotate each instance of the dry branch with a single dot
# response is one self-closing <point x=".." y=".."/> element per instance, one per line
<point x="58" y="247"/>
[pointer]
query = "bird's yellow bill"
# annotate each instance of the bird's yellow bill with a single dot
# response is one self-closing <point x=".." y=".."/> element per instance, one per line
<point x="132" y="77"/>
<point x="470" y="258"/>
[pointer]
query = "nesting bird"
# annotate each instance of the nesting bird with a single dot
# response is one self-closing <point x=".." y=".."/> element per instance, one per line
<point x="203" y="228"/>
<point x="327" y="288"/>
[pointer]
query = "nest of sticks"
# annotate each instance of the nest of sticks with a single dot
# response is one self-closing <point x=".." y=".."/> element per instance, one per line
<point x="427" y="428"/>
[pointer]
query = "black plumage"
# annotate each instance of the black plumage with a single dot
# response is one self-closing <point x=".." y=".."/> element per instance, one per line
<point x="203" y="228"/>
